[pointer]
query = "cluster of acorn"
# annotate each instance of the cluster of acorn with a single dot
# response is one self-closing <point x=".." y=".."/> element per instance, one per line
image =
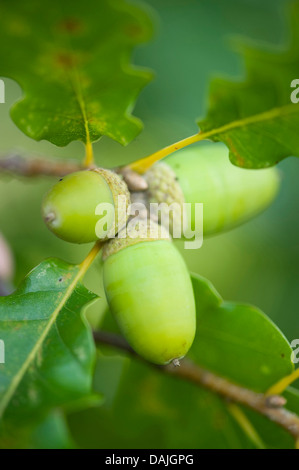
<point x="146" y="280"/>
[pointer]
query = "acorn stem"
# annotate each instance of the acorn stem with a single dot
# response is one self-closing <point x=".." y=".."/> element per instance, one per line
<point x="141" y="166"/>
<point x="246" y="425"/>
<point x="280" y="386"/>
<point x="91" y="256"/>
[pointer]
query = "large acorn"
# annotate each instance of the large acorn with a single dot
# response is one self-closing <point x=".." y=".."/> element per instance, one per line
<point x="204" y="174"/>
<point x="149" y="292"/>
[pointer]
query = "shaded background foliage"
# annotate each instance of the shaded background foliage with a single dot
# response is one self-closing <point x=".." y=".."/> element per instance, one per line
<point x="256" y="263"/>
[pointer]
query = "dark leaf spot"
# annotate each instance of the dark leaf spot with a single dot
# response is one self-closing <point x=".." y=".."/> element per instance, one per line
<point x="71" y="25"/>
<point x="66" y="60"/>
<point x="133" y="31"/>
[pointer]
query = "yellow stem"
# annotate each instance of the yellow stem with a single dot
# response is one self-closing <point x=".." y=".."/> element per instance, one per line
<point x="282" y="384"/>
<point x="142" y="165"/>
<point x="89" y="159"/>
<point x="246" y="425"/>
<point x="90" y="258"/>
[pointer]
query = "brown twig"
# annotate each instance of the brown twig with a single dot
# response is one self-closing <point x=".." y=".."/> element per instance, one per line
<point x="32" y="167"/>
<point x="37" y="166"/>
<point x="219" y="385"/>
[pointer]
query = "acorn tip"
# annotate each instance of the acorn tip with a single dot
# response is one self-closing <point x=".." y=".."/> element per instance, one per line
<point x="50" y="217"/>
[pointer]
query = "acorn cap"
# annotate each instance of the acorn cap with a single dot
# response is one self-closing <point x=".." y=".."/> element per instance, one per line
<point x="137" y="231"/>
<point x="163" y="187"/>
<point x="118" y="188"/>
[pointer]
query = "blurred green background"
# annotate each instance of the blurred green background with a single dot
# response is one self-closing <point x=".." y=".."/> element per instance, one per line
<point x="195" y="40"/>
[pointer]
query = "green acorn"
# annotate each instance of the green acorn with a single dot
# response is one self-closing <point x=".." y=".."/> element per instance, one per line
<point x="69" y="208"/>
<point x="149" y="292"/>
<point x="204" y="174"/>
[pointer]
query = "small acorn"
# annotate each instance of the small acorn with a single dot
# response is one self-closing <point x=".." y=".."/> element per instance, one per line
<point x="149" y="292"/>
<point x="69" y="208"/>
<point x="204" y="174"/>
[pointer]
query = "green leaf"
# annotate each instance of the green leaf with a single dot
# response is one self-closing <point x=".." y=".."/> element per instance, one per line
<point x="49" y="350"/>
<point x="238" y="341"/>
<point x="72" y="60"/>
<point x="256" y="118"/>
<point x="162" y="412"/>
<point x="233" y="340"/>
<point x="50" y="432"/>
